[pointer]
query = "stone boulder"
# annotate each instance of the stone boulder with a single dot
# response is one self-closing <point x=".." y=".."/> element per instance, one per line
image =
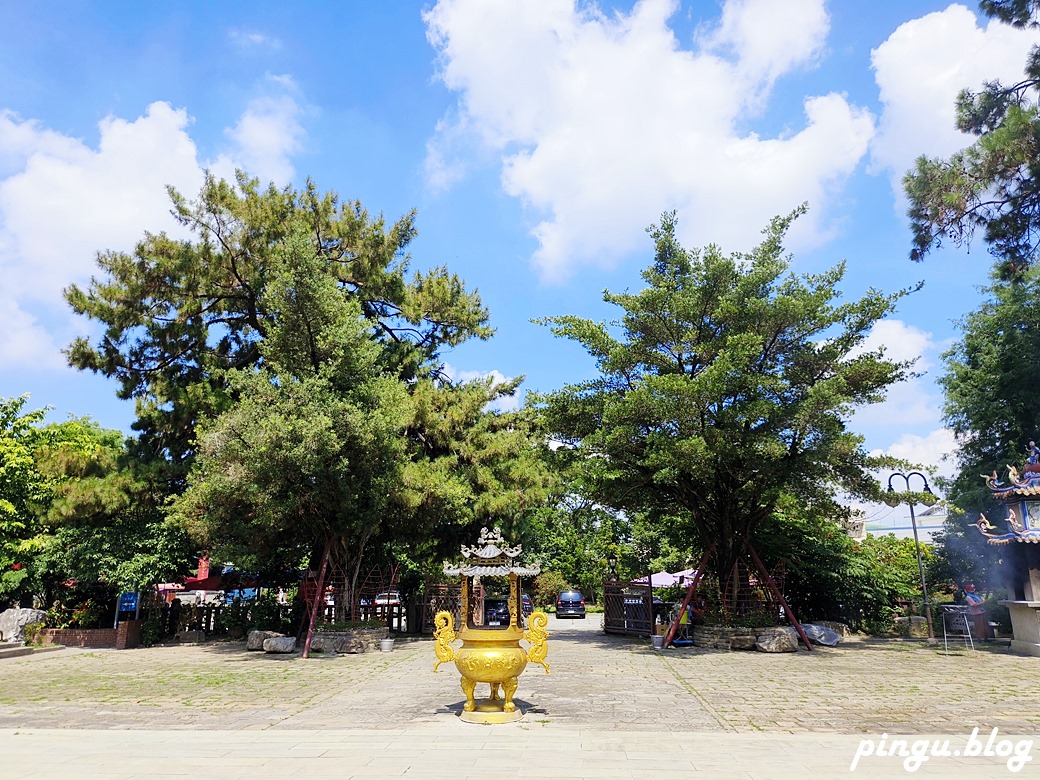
<point x="821" y="635"/>
<point x="918" y="627"/>
<point x="320" y="644"/>
<point x="778" y="640"/>
<point x="280" y="644"/>
<point x="914" y="626"/>
<point x="353" y="645"/>
<point x="841" y="629"/>
<point x="12" y="621"/>
<point x="255" y="640"/>
<point x="743" y="642"/>
<point x="191" y="636"/>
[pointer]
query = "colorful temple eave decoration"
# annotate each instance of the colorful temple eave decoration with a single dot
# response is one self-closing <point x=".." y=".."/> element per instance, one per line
<point x="1021" y="491"/>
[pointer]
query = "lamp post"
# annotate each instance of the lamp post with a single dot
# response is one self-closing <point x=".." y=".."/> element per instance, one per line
<point x="893" y="499"/>
<point x="612" y="567"/>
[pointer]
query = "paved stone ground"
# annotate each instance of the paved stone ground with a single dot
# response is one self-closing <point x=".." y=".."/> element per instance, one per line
<point x="612" y="707"/>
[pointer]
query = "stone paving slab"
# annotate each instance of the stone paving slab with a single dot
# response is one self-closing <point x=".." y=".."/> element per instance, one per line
<point x="451" y="749"/>
<point x="612" y="707"/>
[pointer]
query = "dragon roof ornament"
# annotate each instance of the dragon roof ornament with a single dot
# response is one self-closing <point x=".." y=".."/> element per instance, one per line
<point x="1021" y="490"/>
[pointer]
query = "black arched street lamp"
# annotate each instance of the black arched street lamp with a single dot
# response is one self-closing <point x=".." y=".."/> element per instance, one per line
<point x="926" y="497"/>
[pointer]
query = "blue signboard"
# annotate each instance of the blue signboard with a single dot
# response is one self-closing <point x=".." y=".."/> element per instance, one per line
<point x="127" y="602"/>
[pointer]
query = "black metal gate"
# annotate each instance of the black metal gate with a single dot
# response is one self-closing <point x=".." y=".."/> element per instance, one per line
<point x="628" y="608"/>
<point x="439" y="598"/>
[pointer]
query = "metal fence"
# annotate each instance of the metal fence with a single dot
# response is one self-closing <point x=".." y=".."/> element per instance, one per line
<point x="628" y="609"/>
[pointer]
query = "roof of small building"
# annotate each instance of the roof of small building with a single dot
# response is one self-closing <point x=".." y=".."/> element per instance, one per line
<point x="492" y="556"/>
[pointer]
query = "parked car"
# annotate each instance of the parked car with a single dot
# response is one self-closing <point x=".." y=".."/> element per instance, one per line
<point x="388" y="598"/>
<point x="242" y="594"/>
<point x="570" y="603"/>
<point x="208" y="598"/>
<point x="496" y="612"/>
<point x="527" y="605"/>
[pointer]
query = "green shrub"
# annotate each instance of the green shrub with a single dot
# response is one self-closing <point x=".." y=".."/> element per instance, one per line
<point x="829" y="576"/>
<point x="233" y="617"/>
<point x="32" y="633"/>
<point x="547" y="587"/>
<point x="151" y="627"/>
<point x="265" y="613"/>
<point x="350" y="625"/>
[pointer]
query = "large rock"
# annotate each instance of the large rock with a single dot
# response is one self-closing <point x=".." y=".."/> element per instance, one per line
<point x="12" y="621"/>
<point x="914" y="626"/>
<point x="778" y="640"/>
<point x="841" y="628"/>
<point x="336" y="643"/>
<point x="320" y="644"/>
<point x="918" y="627"/>
<point x="280" y="644"/>
<point x="255" y="640"/>
<point x="353" y="645"/>
<point x="743" y="642"/>
<point x="821" y="635"/>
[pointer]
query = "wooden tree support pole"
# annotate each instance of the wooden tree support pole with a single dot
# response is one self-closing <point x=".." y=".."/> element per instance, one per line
<point x="780" y="596"/>
<point x="319" y="597"/>
<point x="697" y="577"/>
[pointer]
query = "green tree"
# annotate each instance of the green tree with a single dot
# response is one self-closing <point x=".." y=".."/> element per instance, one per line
<point x="77" y="523"/>
<point x="469" y="465"/>
<point x="307" y="461"/>
<point x="179" y="314"/>
<point x="990" y="407"/>
<point x="993" y="184"/>
<point x="105" y="526"/>
<point x="547" y="586"/>
<point x="327" y="452"/>
<point x="830" y="576"/>
<point x="989" y="375"/>
<point x="22" y="486"/>
<point x="574" y="537"/>
<point x="725" y="385"/>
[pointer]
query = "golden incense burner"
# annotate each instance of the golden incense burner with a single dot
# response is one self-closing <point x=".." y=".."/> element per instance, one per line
<point x="490" y="654"/>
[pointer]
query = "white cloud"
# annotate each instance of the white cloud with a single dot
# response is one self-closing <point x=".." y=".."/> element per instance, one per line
<point x="760" y="36"/>
<point x="25" y="342"/>
<point x="913" y="403"/>
<point x="929" y="450"/>
<point x="245" y="39"/>
<point x="65" y="201"/>
<point x="267" y="135"/>
<point x="900" y="342"/>
<point x="62" y="200"/>
<point x="601" y="123"/>
<point x="69" y="200"/>
<point x="921" y="68"/>
<point x="20" y="139"/>
<point x="507" y="403"/>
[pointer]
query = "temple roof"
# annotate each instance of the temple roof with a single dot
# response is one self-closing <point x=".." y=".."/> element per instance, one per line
<point x="491" y="557"/>
<point x="1025" y="485"/>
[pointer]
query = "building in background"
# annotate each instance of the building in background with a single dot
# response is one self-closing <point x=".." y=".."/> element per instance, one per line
<point x="897" y="522"/>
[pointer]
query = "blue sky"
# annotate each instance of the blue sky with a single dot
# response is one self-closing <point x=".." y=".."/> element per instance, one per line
<point x="536" y="138"/>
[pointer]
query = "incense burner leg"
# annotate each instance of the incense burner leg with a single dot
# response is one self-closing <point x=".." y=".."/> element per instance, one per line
<point x="494" y="691"/>
<point x="510" y="686"/>
<point x="467" y="688"/>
